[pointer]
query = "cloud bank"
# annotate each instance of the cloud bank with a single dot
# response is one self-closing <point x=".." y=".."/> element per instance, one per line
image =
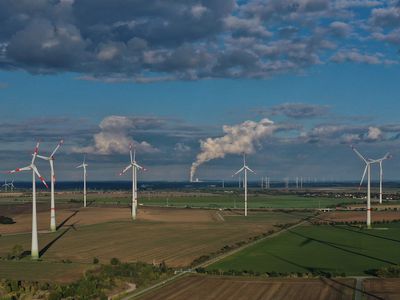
<point x="147" y="41"/>
<point x="114" y="137"/>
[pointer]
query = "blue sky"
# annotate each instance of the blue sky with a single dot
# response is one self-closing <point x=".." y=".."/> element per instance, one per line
<point x="168" y="76"/>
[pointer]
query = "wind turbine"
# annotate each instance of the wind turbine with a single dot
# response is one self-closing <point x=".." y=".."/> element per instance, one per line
<point x="367" y="170"/>
<point x="380" y="162"/>
<point x="84" y="165"/>
<point x="32" y="167"/>
<point x="134" y="165"/>
<point x="11" y="185"/>
<point x="5" y="185"/>
<point x="50" y="159"/>
<point x="244" y="169"/>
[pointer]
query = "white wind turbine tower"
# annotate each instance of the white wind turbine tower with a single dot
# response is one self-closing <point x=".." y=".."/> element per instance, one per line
<point x="367" y="170"/>
<point x="134" y="167"/>
<point x="84" y="165"/>
<point x="380" y="162"/>
<point x="5" y="185"/>
<point x="50" y="159"/>
<point x="244" y="169"/>
<point x="11" y="185"/>
<point x="32" y="167"/>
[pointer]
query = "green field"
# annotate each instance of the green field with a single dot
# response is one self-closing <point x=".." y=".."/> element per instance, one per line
<point x="254" y="201"/>
<point x="341" y="249"/>
<point x="216" y="200"/>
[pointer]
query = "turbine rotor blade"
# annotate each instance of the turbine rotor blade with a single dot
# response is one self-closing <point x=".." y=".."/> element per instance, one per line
<point x="250" y="169"/>
<point x="124" y="170"/>
<point x="43" y="157"/>
<point x="241" y="170"/>
<point x="359" y="154"/>
<point x="137" y="166"/>
<point x="35" y="152"/>
<point x="363" y="177"/>
<point x="19" y="170"/>
<point x="130" y="152"/>
<point x="56" y="149"/>
<point x="40" y="176"/>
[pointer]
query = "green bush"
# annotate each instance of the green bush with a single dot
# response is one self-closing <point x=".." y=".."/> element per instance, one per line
<point x="6" y="220"/>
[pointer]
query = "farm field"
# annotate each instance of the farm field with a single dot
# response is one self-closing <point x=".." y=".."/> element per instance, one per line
<point x="336" y="249"/>
<point x="240" y="288"/>
<point x="359" y="216"/>
<point x="388" y="289"/>
<point x="42" y="271"/>
<point x="155" y="237"/>
<point x="203" y="200"/>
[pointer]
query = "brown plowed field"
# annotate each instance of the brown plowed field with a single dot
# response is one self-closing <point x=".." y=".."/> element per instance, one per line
<point x="177" y="236"/>
<point x="94" y="215"/>
<point x="238" y="288"/>
<point x="359" y="216"/>
<point x="388" y="289"/>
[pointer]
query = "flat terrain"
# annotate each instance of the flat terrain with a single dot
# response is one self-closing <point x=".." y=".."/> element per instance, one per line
<point x="388" y="289"/>
<point x="177" y="236"/>
<point x="223" y="288"/>
<point x="341" y="249"/>
<point x="232" y="199"/>
<point x="94" y="215"/>
<point x="42" y="271"/>
<point x="359" y="216"/>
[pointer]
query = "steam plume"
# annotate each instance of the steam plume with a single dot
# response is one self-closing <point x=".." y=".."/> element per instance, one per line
<point x="238" y="139"/>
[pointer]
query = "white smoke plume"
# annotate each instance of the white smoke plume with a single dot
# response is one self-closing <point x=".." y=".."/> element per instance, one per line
<point x="238" y="139"/>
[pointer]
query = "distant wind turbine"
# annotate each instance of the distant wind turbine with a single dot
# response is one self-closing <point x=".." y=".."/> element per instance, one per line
<point x="84" y="165"/>
<point x="367" y="171"/>
<point x="244" y="169"/>
<point x="50" y="159"/>
<point x="380" y="162"/>
<point x="32" y="167"/>
<point x="134" y="165"/>
<point x="11" y="185"/>
<point x="5" y="185"/>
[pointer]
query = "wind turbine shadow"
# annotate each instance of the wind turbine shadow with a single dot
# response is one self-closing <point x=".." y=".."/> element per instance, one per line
<point x="51" y="243"/>
<point x="365" y="233"/>
<point x="341" y="247"/>
<point x="67" y="219"/>
<point x="327" y="280"/>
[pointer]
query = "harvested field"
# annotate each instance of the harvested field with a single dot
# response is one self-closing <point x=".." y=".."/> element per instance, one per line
<point x="42" y="271"/>
<point x="95" y="215"/>
<point x="178" y="215"/>
<point x="178" y="242"/>
<point x="357" y="216"/>
<point x="222" y="288"/>
<point x="66" y="217"/>
<point x="388" y="289"/>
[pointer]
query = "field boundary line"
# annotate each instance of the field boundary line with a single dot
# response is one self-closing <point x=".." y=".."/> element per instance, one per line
<point x="211" y="261"/>
<point x="227" y="254"/>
